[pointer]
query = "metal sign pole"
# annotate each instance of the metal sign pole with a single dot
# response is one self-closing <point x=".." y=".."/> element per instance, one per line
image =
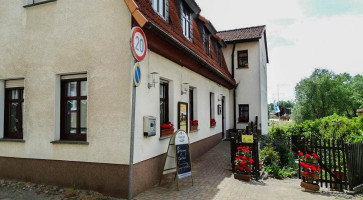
<point x="131" y="165"/>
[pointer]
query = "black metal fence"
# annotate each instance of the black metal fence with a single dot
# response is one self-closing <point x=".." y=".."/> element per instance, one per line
<point x="236" y="141"/>
<point x="341" y="163"/>
<point x="354" y="153"/>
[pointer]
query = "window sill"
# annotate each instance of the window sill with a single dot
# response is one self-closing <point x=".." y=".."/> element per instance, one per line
<point x="212" y="126"/>
<point x="38" y="3"/>
<point x="194" y="131"/>
<point x="69" y="142"/>
<point x="165" y="137"/>
<point x="242" y="68"/>
<point x="242" y="122"/>
<point x="12" y="140"/>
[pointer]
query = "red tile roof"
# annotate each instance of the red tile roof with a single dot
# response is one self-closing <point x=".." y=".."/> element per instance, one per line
<point x="248" y="33"/>
<point x="174" y="29"/>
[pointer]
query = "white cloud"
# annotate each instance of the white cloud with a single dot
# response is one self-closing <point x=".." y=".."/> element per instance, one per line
<point x="297" y="43"/>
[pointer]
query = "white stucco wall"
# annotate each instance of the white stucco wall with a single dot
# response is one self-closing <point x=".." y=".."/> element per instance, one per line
<point x="38" y="44"/>
<point x="248" y="79"/>
<point x="148" y="104"/>
<point x="263" y="87"/>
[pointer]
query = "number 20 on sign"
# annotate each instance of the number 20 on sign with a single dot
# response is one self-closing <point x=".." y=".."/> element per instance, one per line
<point x="138" y="43"/>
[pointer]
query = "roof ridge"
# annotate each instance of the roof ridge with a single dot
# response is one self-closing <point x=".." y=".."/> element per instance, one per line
<point x="238" y="29"/>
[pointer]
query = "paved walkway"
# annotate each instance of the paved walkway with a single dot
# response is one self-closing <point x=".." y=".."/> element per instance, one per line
<point x="214" y="180"/>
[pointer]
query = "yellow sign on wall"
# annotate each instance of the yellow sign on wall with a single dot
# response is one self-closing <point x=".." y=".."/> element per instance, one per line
<point x="247" y="138"/>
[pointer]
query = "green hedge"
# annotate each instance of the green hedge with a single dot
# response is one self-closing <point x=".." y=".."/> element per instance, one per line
<point x="331" y="127"/>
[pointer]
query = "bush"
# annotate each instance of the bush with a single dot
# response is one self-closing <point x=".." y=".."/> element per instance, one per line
<point x="331" y="127"/>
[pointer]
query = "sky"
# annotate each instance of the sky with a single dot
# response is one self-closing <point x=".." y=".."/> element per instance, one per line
<point x="301" y="35"/>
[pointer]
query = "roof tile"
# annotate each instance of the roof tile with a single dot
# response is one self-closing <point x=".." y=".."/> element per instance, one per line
<point x="248" y="33"/>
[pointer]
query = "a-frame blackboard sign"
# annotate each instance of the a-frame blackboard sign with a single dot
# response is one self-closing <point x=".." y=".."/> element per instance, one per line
<point x="178" y="157"/>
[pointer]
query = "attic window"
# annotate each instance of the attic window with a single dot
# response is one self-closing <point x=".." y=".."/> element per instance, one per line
<point x="161" y="7"/>
<point x="243" y="59"/>
<point x="187" y="23"/>
<point x="219" y="56"/>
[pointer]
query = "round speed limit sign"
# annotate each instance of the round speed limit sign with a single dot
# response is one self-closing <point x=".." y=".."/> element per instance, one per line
<point x="138" y="43"/>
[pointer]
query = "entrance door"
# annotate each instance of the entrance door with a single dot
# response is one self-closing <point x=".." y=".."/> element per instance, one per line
<point x="223" y="125"/>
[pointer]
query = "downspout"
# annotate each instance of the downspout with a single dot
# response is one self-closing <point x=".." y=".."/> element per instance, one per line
<point x="234" y="90"/>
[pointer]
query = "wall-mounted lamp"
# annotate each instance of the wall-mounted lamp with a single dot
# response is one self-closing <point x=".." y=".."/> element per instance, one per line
<point x="185" y="88"/>
<point x="220" y="97"/>
<point x="153" y="79"/>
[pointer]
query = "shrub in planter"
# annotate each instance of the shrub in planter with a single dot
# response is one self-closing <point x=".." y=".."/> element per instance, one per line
<point x="310" y="171"/>
<point x="243" y="163"/>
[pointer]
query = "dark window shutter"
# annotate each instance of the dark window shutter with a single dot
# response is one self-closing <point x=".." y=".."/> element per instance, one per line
<point x="167" y="10"/>
<point x="191" y="27"/>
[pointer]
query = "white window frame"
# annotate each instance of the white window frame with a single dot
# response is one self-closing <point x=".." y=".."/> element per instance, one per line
<point x="161" y="7"/>
<point x="186" y="24"/>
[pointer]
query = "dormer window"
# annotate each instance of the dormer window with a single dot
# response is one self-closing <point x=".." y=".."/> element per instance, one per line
<point x="187" y="23"/>
<point x="161" y="7"/>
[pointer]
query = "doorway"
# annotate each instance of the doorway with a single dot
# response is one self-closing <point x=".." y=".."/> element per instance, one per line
<point x="223" y="118"/>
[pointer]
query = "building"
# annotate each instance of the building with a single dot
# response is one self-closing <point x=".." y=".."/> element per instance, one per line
<point x="66" y="88"/>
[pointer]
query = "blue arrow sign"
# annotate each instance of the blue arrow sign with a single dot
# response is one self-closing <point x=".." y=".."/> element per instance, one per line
<point x="137" y="74"/>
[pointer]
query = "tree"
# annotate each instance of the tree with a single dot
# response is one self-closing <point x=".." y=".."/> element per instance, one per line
<point x="325" y="93"/>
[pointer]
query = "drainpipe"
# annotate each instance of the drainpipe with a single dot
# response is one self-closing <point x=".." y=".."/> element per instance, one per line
<point x="234" y="90"/>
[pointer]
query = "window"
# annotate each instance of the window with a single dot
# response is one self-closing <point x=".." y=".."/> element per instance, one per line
<point x="211" y="103"/>
<point x="243" y="59"/>
<point x="164" y="102"/>
<point x="161" y="7"/>
<point x="14" y="109"/>
<point x="74" y="107"/>
<point x="191" y="104"/>
<point x="187" y="23"/>
<point x="243" y="113"/>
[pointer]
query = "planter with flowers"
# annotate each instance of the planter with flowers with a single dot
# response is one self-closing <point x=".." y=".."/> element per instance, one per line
<point x="166" y="129"/>
<point x="243" y="163"/>
<point x="310" y="171"/>
<point x="193" y="125"/>
<point x="212" y="122"/>
<point x="243" y="119"/>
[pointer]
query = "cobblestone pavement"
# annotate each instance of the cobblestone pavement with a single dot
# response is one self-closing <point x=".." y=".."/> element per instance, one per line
<point x="212" y="180"/>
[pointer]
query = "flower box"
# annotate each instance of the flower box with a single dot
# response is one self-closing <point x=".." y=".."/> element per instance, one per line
<point x="193" y="127"/>
<point x="244" y="177"/>
<point x="166" y="132"/>
<point x="212" y="124"/>
<point x="310" y="187"/>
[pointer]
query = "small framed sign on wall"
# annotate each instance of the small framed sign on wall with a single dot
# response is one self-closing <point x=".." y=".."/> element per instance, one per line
<point x="183" y="116"/>
<point x="219" y="109"/>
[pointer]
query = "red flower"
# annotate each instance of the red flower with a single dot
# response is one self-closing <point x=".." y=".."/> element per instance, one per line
<point x="312" y="167"/>
<point x="244" y="158"/>
<point x="307" y="155"/>
<point x="302" y="164"/>
<point x="306" y="174"/>
<point x="239" y="148"/>
<point x="250" y="160"/>
<point x="319" y="169"/>
<point x="301" y="154"/>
